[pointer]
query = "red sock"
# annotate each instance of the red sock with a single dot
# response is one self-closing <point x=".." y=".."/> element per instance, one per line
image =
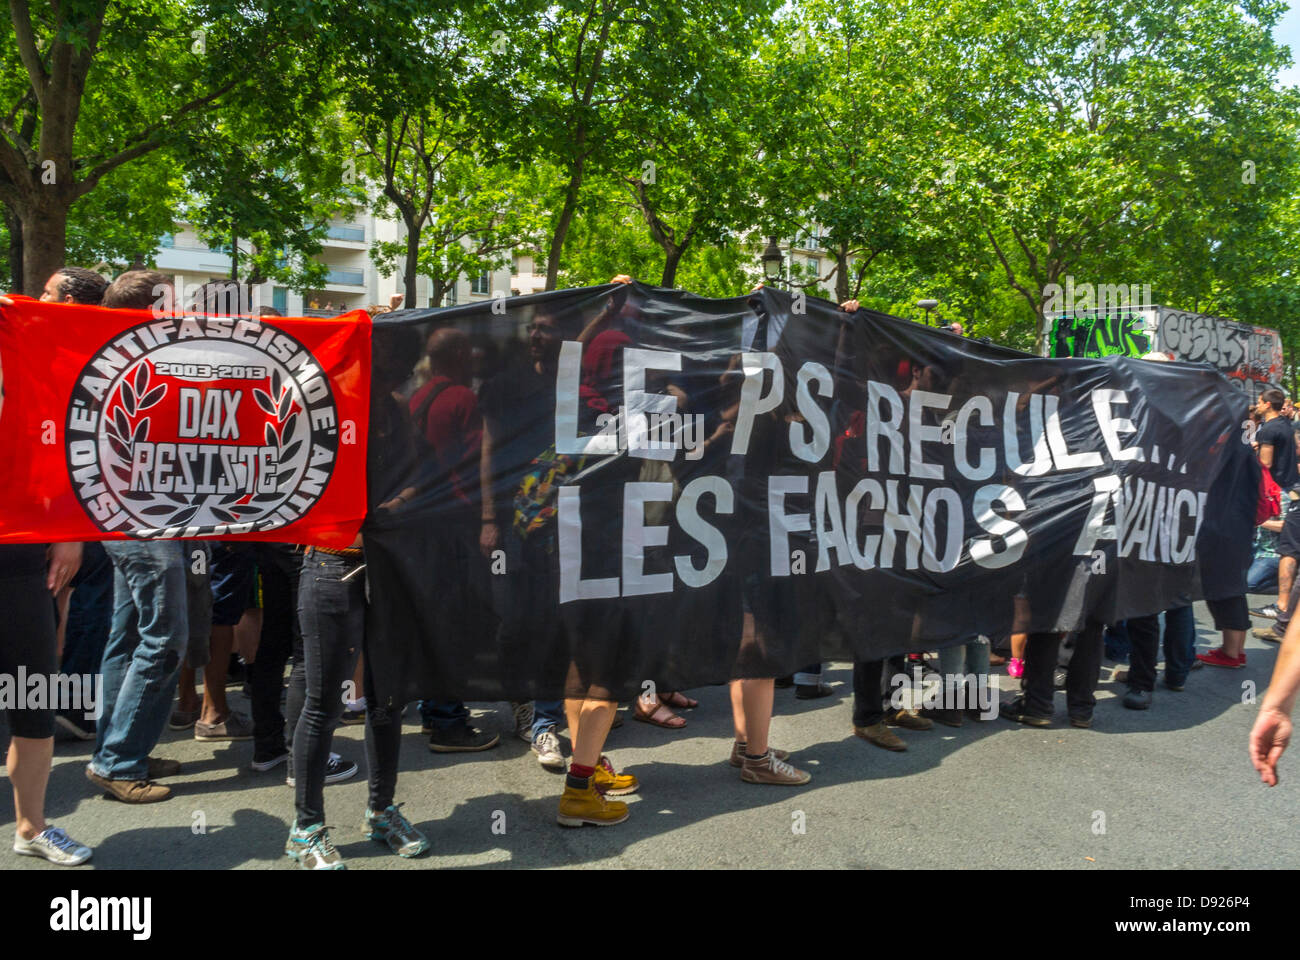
<point x="581" y="772"/>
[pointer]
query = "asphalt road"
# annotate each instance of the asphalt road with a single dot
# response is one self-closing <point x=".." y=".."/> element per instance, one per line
<point x="1171" y="787"/>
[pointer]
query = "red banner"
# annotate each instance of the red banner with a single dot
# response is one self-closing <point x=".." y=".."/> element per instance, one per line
<point x="124" y="424"/>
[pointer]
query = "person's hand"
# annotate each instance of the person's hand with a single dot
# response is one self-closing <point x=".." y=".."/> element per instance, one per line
<point x="849" y="306"/>
<point x="64" y="560"/>
<point x="621" y="278"/>
<point x="489" y="538"/>
<point x="725" y="429"/>
<point x="1268" y="739"/>
<point x="395" y="301"/>
<point x="757" y="287"/>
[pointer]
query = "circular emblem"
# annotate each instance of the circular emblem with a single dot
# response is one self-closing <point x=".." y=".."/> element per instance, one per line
<point x="200" y="426"/>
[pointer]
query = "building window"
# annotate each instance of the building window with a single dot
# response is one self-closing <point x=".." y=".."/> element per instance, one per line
<point x="814" y="267"/>
<point x="481" y="283"/>
<point x="280" y="299"/>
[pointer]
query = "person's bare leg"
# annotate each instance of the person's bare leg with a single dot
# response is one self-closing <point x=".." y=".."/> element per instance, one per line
<point x="1285" y="577"/>
<point x="757" y="695"/>
<point x="62" y="601"/>
<point x="186" y="692"/>
<point x="248" y="633"/>
<point x="1018" y="643"/>
<point x="359" y="679"/>
<point x="29" y="771"/>
<point x="215" y="708"/>
<point x="1234" y="641"/>
<point x="594" y="721"/>
<point x="572" y="713"/>
<point x="738" y="710"/>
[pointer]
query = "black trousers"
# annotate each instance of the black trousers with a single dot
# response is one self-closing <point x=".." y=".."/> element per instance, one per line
<point x="868" y="694"/>
<point x="280" y="567"/>
<point x="1081" y="676"/>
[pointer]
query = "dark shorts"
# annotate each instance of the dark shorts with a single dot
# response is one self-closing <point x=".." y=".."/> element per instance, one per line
<point x="234" y="584"/>
<point x="1288" y="543"/>
<point x="1230" y="613"/>
<point x="27" y="642"/>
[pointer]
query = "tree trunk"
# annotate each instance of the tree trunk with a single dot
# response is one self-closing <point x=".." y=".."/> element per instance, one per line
<point x="562" y="227"/>
<point x="412" y="262"/>
<point x="672" y="257"/>
<point x="15" y="228"/>
<point x="45" y="232"/>
<point x="234" y="254"/>
<point x="841" y="274"/>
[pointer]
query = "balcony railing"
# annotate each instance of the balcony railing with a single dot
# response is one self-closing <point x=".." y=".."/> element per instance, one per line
<point x="357" y="234"/>
<point x="352" y="278"/>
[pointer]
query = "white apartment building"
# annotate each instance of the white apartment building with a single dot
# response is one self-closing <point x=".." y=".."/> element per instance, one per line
<point x="353" y="281"/>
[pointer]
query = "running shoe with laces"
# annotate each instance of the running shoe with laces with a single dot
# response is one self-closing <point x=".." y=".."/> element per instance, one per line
<point x="54" y="845"/>
<point x="547" y="748"/>
<point x="392" y="828"/>
<point x="336" y="770"/>
<point x="523" y="720"/>
<point x="312" y="848"/>
<point x="768" y="769"/>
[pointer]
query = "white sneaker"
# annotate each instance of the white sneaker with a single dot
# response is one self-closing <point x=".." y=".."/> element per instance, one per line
<point x="547" y="748"/>
<point x="524" y="720"/>
<point x="54" y="845"/>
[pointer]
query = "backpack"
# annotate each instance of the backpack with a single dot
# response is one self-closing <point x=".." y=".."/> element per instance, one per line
<point x="1269" y="504"/>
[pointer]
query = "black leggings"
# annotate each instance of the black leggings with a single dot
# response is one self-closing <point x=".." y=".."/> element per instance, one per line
<point x="27" y="641"/>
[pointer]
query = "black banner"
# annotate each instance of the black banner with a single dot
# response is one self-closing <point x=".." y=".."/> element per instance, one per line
<point x="603" y="487"/>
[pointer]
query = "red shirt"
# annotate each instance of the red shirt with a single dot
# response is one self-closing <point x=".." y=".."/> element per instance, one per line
<point x="453" y="430"/>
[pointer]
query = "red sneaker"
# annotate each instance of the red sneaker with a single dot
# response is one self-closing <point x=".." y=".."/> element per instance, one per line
<point x="1217" y="658"/>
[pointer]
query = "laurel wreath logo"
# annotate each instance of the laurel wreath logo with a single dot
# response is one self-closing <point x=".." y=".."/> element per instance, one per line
<point x="126" y="425"/>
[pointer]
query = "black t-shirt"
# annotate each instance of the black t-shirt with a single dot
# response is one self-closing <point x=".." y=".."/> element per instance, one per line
<point x="1279" y="434"/>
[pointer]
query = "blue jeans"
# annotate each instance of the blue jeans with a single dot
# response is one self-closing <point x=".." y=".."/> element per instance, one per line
<point x="808" y="676"/>
<point x="1262" y="575"/>
<point x="547" y="717"/>
<point x="90" y="613"/>
<point x="143" y="658"/>
<point x="443" y="714"/>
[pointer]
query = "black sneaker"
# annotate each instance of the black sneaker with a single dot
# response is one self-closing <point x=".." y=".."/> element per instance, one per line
<point x="1082" y="722"/>
<point x="269" y="760"/>
<point x="352" y="717"/>
<point x="336" y="770"/>
<point x="1268" y="613"/>
<point x="812" y="691"/>
<point x="1015" y="710"/>
<point x="462" y="738"/>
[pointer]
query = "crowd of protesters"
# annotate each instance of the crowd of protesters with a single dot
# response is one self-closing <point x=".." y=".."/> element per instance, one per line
<point x="149" y="616"/>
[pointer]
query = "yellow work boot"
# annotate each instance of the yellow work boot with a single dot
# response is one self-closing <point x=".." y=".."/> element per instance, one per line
<point x="582" y="803"/>
<point x="613" y="784"/>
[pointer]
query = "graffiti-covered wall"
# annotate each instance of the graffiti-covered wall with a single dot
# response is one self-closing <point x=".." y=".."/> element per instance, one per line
<point x="1099" y="336"/>
<point x="1251" y="357"/>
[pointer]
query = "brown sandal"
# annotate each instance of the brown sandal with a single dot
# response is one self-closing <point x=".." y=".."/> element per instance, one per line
<point x="660" y="716"/>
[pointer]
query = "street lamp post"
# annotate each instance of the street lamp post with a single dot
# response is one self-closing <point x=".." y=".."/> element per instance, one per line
<point x="773" y="260"/>
<point x="928" y="306"/>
